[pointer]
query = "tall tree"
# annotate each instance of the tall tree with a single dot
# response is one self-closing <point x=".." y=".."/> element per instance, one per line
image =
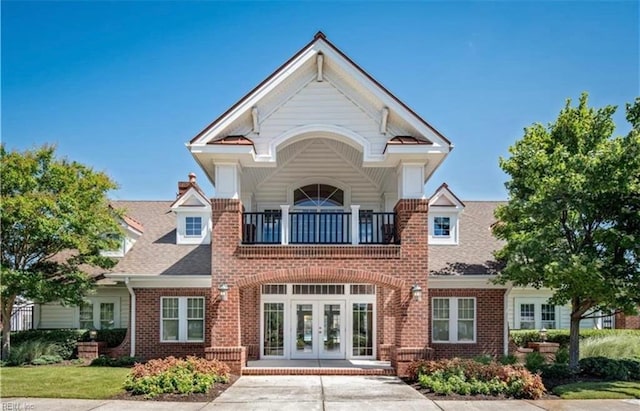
<point x="55" y="218"/>
<point x="572" y="222"/>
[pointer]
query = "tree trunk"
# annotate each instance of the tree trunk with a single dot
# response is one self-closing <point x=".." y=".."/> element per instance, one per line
<point x="7" y="309"/>
<point x="574" y="341"/>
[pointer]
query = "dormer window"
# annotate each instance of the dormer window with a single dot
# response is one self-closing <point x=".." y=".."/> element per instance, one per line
<point x="193" y="227"/>
<point x="193" y="214"/>
<point x="441" y="226"/>
<point x="444" y="217"/>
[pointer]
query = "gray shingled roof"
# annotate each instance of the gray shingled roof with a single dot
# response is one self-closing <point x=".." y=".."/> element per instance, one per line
<point x="474" y="253"/>
<point x="156" y="252"/>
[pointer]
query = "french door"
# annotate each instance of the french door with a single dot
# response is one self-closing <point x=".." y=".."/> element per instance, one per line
<point x="318" y="329"/>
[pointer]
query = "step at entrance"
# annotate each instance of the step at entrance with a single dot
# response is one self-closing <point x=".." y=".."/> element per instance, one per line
<point x="318" y="367"/>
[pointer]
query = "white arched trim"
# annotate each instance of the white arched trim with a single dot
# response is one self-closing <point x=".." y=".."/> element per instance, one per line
<point x="333" y="132"/>
<point x="346" y="189"/>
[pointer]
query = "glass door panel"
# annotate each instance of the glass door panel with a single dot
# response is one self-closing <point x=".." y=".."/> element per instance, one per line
<point x="332" y="330"/>
<point x="273" y="343"/>
<point x="305" y="345"/>
<point x="362" y="329"/>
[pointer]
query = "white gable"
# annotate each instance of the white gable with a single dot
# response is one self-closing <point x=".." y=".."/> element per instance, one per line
<point x="319" y="93"/>
<point x="191" y="199"/>
<point x="319" y="103"/>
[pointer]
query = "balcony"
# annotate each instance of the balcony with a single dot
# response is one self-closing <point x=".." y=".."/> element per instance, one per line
<point x="326" y="227"/>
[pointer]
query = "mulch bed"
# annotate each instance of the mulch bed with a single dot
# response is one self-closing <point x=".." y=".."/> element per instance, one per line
<point x="214" y="392"/>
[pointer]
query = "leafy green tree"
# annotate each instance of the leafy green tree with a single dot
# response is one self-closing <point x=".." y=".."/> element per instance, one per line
<point x="572" y="222"/>
<point x="55" y="219"/>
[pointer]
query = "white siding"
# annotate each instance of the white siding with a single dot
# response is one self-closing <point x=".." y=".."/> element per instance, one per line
<point x="54" y="315"/>
<point x="318" y="159"/>
<point x="541" y="296"/>
<point x="320" y="103"/>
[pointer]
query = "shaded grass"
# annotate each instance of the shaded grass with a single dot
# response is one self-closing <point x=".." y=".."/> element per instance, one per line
<point x="611" y="346"/>
<point x="599" y="390"/>
<point x="62" y="382"/>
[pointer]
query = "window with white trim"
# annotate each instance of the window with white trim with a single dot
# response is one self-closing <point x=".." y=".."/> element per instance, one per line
<point x="193" y="226"/>
<point x="453" y="319"/>
<point x="441" y="226"/>
<point x="182" y="319"/>
<point x="99" y="313"/>
<point x="535" y="313"/>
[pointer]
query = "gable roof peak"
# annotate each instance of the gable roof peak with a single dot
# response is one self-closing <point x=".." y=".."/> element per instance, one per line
<point x="319" y="35"/>
<point x="445" y="191"/>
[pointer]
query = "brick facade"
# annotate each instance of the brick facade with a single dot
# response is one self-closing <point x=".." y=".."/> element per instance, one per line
<point x="232" y="327"/>
<point x="402" y="331"/>
<point x="489" y="327"/>
<point x="148" y="344"/>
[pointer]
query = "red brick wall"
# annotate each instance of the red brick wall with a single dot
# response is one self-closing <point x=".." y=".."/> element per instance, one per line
<point x="401" y="321"/>
<point x="148" y="343"/>
<point x="627" y="321"/>
<point x="489" y="327"/>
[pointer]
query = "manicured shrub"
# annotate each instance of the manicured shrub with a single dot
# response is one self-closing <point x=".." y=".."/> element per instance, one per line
<point x="534" y="361"/>
<point x="611" y="369"/>
<point x="556" y="371"/>
<point x="508" y="359"/>
<point x="468" y="377"/>
<point x="522" y="337"/>
<point x="562" y="356"/>
<point x="47" y="359"/>
<point x="611" y="346"/>
<point x="26" y="352"/>
<point x="483" y="359"/>
<point x="633" y="365"/>
<point x="66" y="340"/>
<point x="125" y="361"/>
<point x="113" y="337"/>
<point x="175" y="376"/>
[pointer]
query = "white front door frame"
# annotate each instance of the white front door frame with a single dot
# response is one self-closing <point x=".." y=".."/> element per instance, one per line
<point x="347" y="300"/>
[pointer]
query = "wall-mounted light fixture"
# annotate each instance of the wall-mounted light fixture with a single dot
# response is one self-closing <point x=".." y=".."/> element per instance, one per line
<point x="224" y="291"/>
<point x="93" y="334"/>
<point x="416" y="291"/>
<point x="543" y="334"/>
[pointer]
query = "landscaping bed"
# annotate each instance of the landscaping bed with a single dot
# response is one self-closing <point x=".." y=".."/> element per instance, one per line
<point x="213" y="393"/>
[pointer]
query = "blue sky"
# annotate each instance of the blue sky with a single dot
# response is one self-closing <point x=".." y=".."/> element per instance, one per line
<point x="122" y="86"/>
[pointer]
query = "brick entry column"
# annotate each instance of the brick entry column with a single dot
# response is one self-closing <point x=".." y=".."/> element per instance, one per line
<point x="412" y="335"/>
<point x="225" y="345"/>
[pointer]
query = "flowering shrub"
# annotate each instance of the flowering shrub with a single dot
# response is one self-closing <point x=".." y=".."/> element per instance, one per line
<point x="468" y="377"/>
<point x="175" y="376"/>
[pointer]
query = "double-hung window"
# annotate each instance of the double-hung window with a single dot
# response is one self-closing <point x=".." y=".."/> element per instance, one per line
<point x="193" y="226"/>
<point x="182" y="319"/>
<point x="99" y="313"/>
<point x="453" y="319"/>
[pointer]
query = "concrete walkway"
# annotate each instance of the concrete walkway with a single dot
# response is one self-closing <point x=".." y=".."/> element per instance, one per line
<point x="327" y="393"/>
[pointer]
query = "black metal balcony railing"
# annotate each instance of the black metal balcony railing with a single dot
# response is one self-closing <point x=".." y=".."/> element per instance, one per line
<point x="318" y="228"/>
<point x="377" y="228"/>
<point x="261" y="228"/>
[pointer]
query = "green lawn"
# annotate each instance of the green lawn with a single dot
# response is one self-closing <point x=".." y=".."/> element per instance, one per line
<point x="61" y="381"/>
<point x="599" y="390"/>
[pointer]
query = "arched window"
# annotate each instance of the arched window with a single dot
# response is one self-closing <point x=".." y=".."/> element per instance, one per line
<point x="318" y="195"/>
<point x="318" y="215"/>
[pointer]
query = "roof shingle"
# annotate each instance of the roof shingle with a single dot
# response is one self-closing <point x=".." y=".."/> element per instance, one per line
<point x="473" y="255"/>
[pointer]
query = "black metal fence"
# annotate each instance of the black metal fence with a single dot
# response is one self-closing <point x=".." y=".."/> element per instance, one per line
<point x="22" y="317"/>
